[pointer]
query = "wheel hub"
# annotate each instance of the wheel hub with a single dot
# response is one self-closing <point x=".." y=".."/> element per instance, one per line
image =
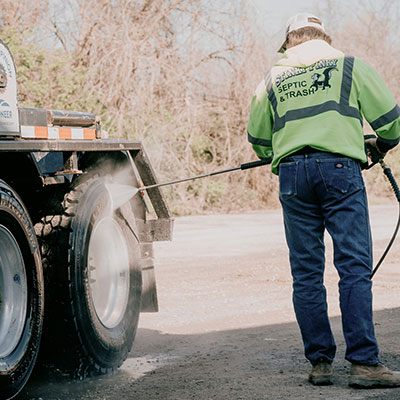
<point x="13" y="293"/>
<point x="108" y="271"/>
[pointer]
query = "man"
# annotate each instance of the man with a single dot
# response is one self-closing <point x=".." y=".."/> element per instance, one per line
<point x="307" y="117"/>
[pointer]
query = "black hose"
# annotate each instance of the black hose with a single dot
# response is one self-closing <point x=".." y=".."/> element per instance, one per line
<point x="387" y="171"/>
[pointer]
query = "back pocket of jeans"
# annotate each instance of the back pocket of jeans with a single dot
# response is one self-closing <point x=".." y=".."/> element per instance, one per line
<point x="341" y="175"/>
<point x="287" y="180"/>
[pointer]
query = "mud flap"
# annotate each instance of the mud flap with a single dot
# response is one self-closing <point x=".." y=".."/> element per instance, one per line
<point x="142" y="232"/>
<point x="149" y="288"/>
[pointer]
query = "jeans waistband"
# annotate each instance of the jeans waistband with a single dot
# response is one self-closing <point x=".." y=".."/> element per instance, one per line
<point x="302" y="151"/>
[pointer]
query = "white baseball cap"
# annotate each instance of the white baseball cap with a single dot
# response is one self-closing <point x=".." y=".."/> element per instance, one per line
<point x="301" y="21"/>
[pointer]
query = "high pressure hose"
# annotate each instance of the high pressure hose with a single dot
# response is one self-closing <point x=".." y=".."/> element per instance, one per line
<point x="388" y="172"/>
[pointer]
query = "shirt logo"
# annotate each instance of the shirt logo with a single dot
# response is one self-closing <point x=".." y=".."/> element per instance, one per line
<point x="317" y="83"/>
<point x="292" y="83"/>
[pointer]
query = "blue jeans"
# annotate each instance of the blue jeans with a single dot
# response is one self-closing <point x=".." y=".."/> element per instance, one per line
<point x="317" y="191"/>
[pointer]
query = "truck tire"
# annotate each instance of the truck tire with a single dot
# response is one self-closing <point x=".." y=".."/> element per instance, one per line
<point x="92" y="272"/>
<point x="21" y="294"/>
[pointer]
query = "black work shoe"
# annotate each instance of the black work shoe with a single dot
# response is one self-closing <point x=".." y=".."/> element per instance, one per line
<point x="321" y="374"/>
<point x="370" y="376"/>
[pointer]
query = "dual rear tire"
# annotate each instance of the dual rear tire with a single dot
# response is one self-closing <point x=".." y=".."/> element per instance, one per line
<point x="92" y="281"/>
<point x="21" y="294"/>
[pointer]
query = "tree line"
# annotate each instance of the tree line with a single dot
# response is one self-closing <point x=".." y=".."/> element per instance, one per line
<point x="176" y="74"/>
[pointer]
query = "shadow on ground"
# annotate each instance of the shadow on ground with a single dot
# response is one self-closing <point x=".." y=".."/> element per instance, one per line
<point x="257" y="363"/>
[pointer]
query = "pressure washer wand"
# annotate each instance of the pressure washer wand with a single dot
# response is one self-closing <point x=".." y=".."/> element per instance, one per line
<point x="249" y="165"/>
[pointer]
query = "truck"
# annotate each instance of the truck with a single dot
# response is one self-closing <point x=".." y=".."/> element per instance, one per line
<point x="76" y="252"/>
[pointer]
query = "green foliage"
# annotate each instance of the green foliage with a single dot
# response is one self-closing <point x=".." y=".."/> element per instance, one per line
<point x="216" y="193"/>
<point x="202" y="149"/>
<point x="47" y="78"/>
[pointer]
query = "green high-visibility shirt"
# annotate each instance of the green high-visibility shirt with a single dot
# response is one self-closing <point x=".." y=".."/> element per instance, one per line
<point x="316" y="96"/>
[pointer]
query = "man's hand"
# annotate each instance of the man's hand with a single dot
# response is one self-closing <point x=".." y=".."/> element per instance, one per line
<point x="373" y="151"/>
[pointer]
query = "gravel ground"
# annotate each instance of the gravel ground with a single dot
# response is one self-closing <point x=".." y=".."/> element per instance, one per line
<point x="226" y="327"/>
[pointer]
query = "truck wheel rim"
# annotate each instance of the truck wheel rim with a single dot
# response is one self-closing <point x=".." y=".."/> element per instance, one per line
<point x="108" y="271"/>
<point x="13" y="293"/>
